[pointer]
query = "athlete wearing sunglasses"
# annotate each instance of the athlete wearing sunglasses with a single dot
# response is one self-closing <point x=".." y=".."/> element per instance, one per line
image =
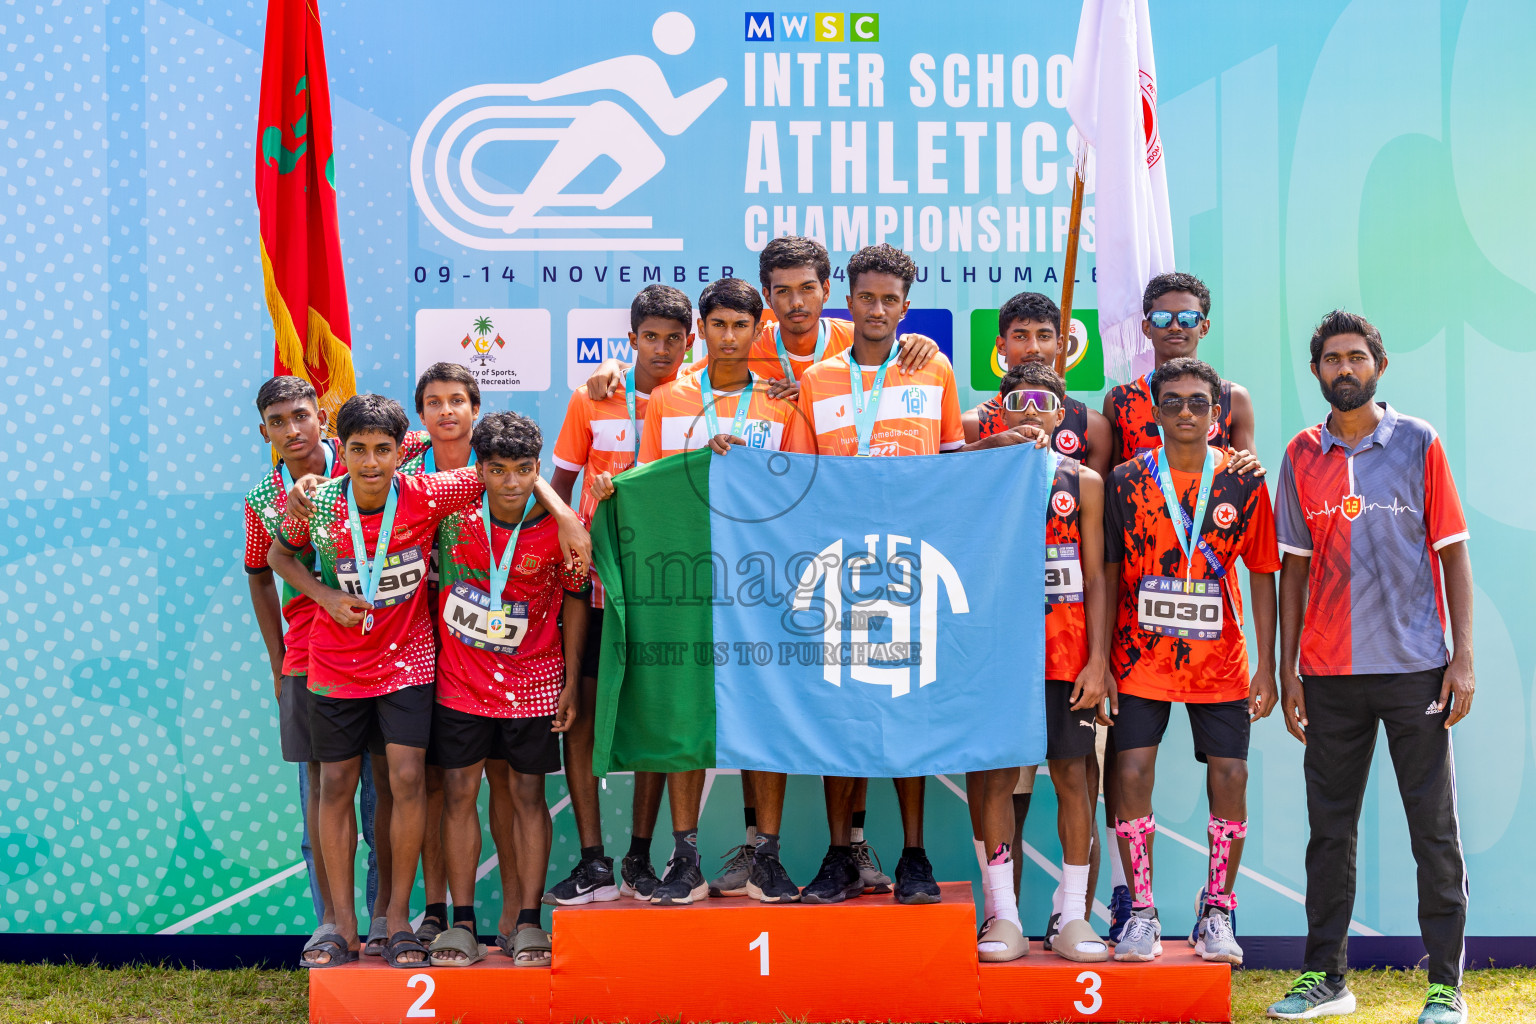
<point x="1176" y="309"/>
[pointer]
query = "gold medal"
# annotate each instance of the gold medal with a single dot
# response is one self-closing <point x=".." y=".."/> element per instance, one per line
<point x="496" y="626"/>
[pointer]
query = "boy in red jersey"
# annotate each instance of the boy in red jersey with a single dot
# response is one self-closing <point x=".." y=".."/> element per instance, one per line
<point x="1076" y="670"/>
<point x="1176" y="521"/>
<point x="511" y="623"/>
<point x="372" y="646"/>
<point x="1029" y="331"/>
<point x="599" y="440"/>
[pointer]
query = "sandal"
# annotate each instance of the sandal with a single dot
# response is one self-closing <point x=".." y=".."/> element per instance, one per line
<point x="431" y="928"/>
<point x="403" y="942"/>
<point x="378" y="931"/>
<point x="457" y="939"/>
<point x="995" y="929"/>
<point x="326" y="940"/>
<point x="1078" y="933"/>
<point x="531" y="941"/>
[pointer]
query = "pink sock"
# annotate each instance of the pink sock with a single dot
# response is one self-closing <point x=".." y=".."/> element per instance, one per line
<point x="1135" y="833"/>
<point x="1222" y="833"/>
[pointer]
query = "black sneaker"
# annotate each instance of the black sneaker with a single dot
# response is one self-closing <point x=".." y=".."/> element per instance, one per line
<point x="590" y="881"/>
<point x="914" y="881"/>
<point x="769" y="882"/>
<point x="837" y="880"/>
<point x="1052" y="929"/>
<point x="637" y="878"/>
<point x="684" y="884"/>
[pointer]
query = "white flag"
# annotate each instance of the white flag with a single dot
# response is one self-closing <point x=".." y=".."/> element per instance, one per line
<point x="1112" y="98"/>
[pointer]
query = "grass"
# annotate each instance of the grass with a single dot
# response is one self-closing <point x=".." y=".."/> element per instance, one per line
<point x="139" y="995"/>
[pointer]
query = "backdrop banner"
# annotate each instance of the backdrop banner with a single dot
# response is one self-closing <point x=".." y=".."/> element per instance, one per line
<point x="529" y="167"/>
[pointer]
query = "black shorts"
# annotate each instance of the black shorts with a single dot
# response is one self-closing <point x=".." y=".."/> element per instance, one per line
<point x="1220" y="730"/>
<point x="460" y="739"/>
<point x="340" y="727"/>
<point x="293" y="701"/>
<point x="1068" y="733"/>
<point x="594" y="643"/>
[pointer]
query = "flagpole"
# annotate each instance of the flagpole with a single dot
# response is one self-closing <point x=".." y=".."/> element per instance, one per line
<point x="1069" y="271"/>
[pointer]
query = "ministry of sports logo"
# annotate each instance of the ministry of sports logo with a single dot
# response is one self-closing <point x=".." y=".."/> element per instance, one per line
<point x="468" y="204"/>
<point x="868" y="602"/>
<point x="479" y="338"/>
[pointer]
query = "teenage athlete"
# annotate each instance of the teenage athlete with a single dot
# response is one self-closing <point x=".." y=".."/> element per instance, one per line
<point x="601" y="439"/>
<point x="721" y="404"/>
<point x="1076" y="668"/>
<point x="1176" y="520"/>
<point x="510" y="623"/>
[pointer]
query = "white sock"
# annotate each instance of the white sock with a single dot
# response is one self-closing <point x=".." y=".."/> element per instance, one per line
<point x="751" y="835"/>
<point x="999" y="885"/>
<point x="1074" y="890"/>
<point x="856" y="835"/>
<point x="1116" y="868"/>
<point x="987" y="907"/>
<point x="1057" y="897"/>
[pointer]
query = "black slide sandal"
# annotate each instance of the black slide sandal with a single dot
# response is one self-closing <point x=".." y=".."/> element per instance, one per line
<point x="406" y="942"/>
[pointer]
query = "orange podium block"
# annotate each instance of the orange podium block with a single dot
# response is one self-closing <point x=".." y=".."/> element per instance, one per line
<point x="739" y="960"/>
<point x="1045" y="987"/>
<point x="371" y="992"/>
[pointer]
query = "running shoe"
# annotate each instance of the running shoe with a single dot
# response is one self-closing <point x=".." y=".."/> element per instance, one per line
<point x="876" y="881"/>
<point x="590" y="881"/>
<point x="914" y="881"/>
<point x="1444" y="1006"/>
<point x="837" y="880"/>
<point x="1215" y="939"/>
<point x="738" y="869"/>
<point x="1119" y="912"/>
<point x="1052" y="926"/>
<point x="684" y="884"/>
<point x="1313" y="995"/>
<point x="769" y="882"/>
<point x="1142" y="939"/>
<point x="637" y="878"/>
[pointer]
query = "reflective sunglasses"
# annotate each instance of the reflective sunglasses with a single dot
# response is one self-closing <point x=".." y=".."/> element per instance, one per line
<point x="1188" y="318"/>
<point x="1021" y="399"/>
<point x="1198" y="405"/>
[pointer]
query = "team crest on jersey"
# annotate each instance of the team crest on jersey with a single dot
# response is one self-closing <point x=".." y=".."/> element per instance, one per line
<point x="528" y="565"/>
<point x="1210" y="435"/>
<point x="1351" y="507"/>
<point x="1067" y="442"/>
<point x="1224" y="515"/>
<point x="1063" y="503"/>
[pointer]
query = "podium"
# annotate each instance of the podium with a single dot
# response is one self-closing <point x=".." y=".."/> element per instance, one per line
<point x="731" y="960"/>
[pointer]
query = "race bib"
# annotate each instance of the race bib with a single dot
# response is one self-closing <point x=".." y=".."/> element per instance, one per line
<point x="467" y="614"/>
<point x="404" y="571"/>
<point x="1063" y="575"/>
<point x="1173" y="607"/>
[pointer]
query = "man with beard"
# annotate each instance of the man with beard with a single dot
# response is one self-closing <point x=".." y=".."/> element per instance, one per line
<point x="1369" y="522"/>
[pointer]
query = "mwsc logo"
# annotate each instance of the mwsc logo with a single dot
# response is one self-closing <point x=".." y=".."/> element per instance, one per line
<point x="471" y="207"/>
<point x="875" y="618"/>
<point x="824" y="27"/>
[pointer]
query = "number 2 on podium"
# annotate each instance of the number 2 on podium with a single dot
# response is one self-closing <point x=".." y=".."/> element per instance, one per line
<point x="761" y="945"/>
<point x="420" y="1008"/>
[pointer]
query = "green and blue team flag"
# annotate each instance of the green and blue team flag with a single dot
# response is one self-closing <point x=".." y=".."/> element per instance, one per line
<point x="824" y="616"/>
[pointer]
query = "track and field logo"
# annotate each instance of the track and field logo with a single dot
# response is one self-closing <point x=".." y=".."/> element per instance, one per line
<point x="1224" y="515"/>
<point x="454" y="162"/>
<point x="869" y="600"/>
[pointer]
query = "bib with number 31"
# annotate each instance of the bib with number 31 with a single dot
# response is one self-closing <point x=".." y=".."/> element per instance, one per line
<point x="1063" y="575"/>
<point x="1186" y="609"/>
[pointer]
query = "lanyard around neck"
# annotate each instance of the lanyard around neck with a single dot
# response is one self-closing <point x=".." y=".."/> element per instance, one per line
<point x="330" y="467"/>
<point x="866" y="411"/>
<point x="823" y="332"/>
<point x="629" y="405"/>
<point x="743" y="406"/>
<point x="1185" y="528"/>
<point x="369" y="571"/>
<point x="499" y="568"/>
<point x="429" y="461"/>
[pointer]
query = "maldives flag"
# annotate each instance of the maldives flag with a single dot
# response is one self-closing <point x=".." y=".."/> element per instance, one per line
<point x="296" y="192"/>
<point x="824" y="616"/>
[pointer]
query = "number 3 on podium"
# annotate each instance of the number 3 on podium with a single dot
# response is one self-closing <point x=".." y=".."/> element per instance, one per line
<point x="1092" y="1001"/>
<point x="761" y="945"/>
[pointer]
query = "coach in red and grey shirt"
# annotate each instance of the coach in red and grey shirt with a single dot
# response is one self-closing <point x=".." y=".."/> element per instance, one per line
<point x="1369" y="523"/>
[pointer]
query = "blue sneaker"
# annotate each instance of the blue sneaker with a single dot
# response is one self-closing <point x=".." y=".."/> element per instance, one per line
<point x="1200" y="911"/>
<point x="1444" y="1006"/>
<point x="1312" y="996"/>
<point x="1119" y="912"/>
